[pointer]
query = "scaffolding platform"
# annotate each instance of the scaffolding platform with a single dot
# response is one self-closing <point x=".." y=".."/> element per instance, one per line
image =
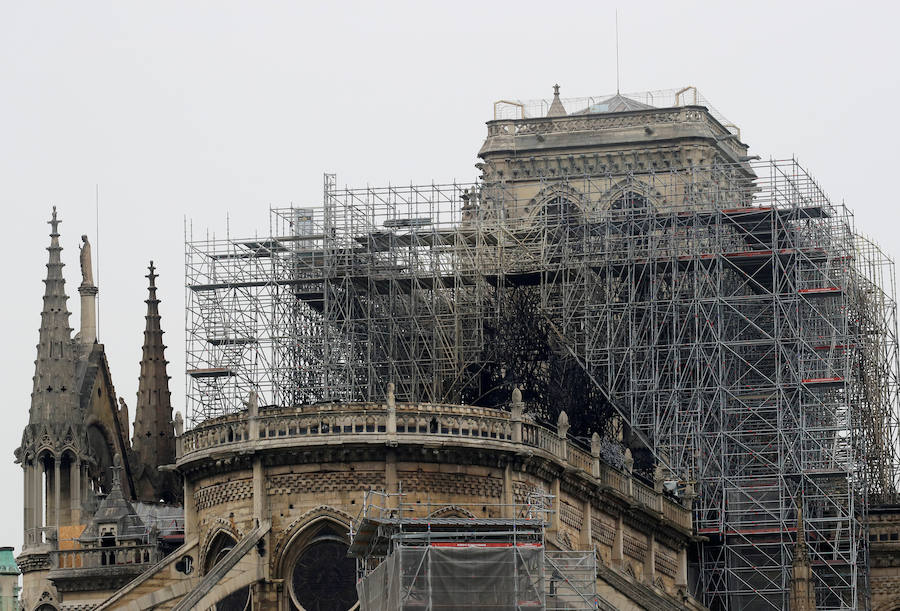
<point x="465" y="562"/>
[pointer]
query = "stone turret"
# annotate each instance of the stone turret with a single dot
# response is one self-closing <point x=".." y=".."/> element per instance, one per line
<point x="55" y="448"/>
<point x="53" y="420"/>
<point x="54" y="396"/>
<point x="154" y="431"/>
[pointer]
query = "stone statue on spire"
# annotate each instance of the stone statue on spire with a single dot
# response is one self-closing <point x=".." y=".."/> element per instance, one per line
<point x="87" y="274"/>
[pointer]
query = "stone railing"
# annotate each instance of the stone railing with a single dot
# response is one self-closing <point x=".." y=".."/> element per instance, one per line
<point x="602" y="121"/>
<point x="104" y="557"/>
<point x="35" y="537"/>
<point x="351" y="419"/>
<point x="380" y="423"/>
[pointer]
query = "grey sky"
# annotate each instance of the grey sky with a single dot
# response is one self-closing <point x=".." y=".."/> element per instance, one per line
<point x="201" y="109"/>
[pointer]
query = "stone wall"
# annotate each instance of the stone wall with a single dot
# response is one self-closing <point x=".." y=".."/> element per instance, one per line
<point x="302" y="475"/>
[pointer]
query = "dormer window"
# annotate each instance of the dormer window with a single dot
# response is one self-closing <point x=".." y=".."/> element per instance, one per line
<point x="107" y="535"/>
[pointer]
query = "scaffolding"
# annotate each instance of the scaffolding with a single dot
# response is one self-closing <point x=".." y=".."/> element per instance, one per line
<point x="730" y="315"/>
<point x="409" y="558"/>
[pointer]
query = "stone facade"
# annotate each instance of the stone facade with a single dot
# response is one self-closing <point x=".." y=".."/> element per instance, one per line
<point x="884" y="554"/>
<point x="529" y="160"/>
<point x="297" y="469"/>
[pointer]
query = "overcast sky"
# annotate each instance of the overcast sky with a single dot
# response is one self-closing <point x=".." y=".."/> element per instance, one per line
<point x="198" y="110"/>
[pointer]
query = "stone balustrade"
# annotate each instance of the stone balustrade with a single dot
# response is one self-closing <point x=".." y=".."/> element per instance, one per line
<point x="420" y="422"/>
<point x="543" y="126"/>
<point x="35" y="537"/>
<point x="104" y="557"/>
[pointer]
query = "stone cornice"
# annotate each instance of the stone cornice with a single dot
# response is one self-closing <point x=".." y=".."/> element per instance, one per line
<point x="543" y="133"/>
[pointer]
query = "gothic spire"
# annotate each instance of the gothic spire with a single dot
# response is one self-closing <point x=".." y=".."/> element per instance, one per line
<point x="556" y="107"/>
<point x="802" y="595"/>
<point x="154" y="435"/>
<point x="54" y="367"/>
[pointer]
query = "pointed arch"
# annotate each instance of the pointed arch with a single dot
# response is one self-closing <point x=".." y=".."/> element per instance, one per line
<point x="557" y="204"/>
<point x="314" y="544"/>
<point x="451" y="511"/>
<point x="630" y="194"/>
<point x="218" y="529"/>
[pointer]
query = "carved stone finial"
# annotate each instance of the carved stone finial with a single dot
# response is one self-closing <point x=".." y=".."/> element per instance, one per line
<point x="516" y="406"/>
<point x="179" y="424"/>
<point x="54" y="224"/>
<point x="253" y="404"/>
<point x="595" y="444"/>
<point x="152" y="276"/>
<point x="659" y="477"/>
<point x="391" y="401"/>
<point x="556" y="106"/>
<point x="562" y="425"/>
<point x="87" y="274"/>
<point x="116" y="467"/>
<point x="629" y="460"/>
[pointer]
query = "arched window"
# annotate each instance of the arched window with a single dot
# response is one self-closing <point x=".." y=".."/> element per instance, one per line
<point x="239" y="600"/>
<point x="322" y="576"/>
<point x="561" y="211"/>
<point x="630" y="214"/>
<point x="630" y="201"/>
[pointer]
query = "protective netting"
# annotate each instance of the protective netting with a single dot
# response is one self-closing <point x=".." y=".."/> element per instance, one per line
<point x="492" y="578"/>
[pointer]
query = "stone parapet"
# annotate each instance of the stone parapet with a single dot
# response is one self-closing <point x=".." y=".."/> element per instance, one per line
<point x="683" y="121"/>
<point x="424" y="424"/>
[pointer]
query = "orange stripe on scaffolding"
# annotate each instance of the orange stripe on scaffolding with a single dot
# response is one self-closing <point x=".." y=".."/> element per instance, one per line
<point x="834" y="380"/>
<point x="747" y="531"/>
<point x="492" y="544"/>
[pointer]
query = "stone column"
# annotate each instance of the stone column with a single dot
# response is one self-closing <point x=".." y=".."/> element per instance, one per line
<point x="681" y="577"/>
<point x="259" y="490"/>
<point x="37" y="489"/>
<point x="27" y="498"/>
<point x="557" y="506"/>
<point x="190" y="512"/>
<point x="88" y="313"/>
<point x="259" y="480"/>
<point x="391" y="481"/>
<point x="562" y="431"/>
<point x="587" y="535"/>
<point x="86" y="491"/>
<point x="509" y="495"/>
<point x="517" y="409"/>
<point x="595" y="455"/>
<point x="391" y="425"/>
<point x="618" y="548"/>
<point x="75" y="490"/>
<point x="57" y="476"/>
<point x="629" y="467"/>
<point x="650" y="561"/>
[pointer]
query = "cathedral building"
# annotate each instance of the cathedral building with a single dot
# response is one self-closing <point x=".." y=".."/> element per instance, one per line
<point x="616" y="372"/>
